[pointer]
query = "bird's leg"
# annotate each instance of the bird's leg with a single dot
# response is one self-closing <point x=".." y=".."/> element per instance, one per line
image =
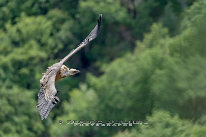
<point x="54" y="102"/>
<point x="56" y="99"/>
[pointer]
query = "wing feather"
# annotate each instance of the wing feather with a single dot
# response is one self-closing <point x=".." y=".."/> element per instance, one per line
<point x="92" y="35"/>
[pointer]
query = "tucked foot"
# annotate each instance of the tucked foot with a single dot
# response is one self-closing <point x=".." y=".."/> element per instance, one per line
<point x="54" y="102"/>
<point x="56" y="99"/>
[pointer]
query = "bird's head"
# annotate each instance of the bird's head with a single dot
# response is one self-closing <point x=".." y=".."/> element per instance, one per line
<point x="67" y="71"/>
<point x="73" y="71"/>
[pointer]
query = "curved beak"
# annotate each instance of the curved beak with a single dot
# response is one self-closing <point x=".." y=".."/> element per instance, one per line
<point x="73" y="71"/>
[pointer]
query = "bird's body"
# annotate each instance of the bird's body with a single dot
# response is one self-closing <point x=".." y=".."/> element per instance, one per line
<point x="47" y="98"/>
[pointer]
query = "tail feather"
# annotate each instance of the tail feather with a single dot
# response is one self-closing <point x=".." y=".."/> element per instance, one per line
<point x="44" y="106"/>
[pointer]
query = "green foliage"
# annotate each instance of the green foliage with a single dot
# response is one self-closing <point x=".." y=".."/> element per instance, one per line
<point x="82" y="106"/>
<point x="28" y="40"/>
<point x="198" y="132"/>
<point x="194" y="14"/>
<point x="132" y="86"/>
<point x="110" y="8"/>
<point x="161" y="124"/>
<point x="18" y="116"/>
<point x="185" y="81"/>
<point x="170" y="19"/>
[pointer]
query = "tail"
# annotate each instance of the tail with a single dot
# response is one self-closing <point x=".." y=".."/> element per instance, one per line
<point x="44" y="106"/>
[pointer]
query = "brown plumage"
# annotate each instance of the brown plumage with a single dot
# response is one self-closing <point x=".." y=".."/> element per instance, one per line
<point x="62" y="73"/>
<point x="47" y="96"/>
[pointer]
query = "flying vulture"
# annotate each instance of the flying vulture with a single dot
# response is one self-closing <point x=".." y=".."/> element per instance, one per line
<point x="47" y="96"/>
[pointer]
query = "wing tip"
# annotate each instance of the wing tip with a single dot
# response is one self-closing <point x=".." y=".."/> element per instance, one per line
<point x="99" y="19"/>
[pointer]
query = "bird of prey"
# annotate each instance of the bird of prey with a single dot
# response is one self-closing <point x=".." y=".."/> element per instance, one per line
<point x="47" y="96"/>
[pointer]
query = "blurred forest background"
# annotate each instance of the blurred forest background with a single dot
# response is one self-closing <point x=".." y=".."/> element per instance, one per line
<point x="148" y="63"/>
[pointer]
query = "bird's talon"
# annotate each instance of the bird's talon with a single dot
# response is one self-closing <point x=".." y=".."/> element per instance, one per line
<point x="56" y="99"/>
<point x="54" y="102"/>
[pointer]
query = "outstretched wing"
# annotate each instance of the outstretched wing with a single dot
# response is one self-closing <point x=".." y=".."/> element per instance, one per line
<point x="92" y="35"/>
<point x="48" y="91"/>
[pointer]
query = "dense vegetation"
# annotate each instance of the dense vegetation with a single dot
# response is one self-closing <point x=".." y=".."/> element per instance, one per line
<point x="148" y="63"/>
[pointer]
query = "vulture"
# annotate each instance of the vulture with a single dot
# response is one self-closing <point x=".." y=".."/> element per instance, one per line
<point x="47" y="96"/>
